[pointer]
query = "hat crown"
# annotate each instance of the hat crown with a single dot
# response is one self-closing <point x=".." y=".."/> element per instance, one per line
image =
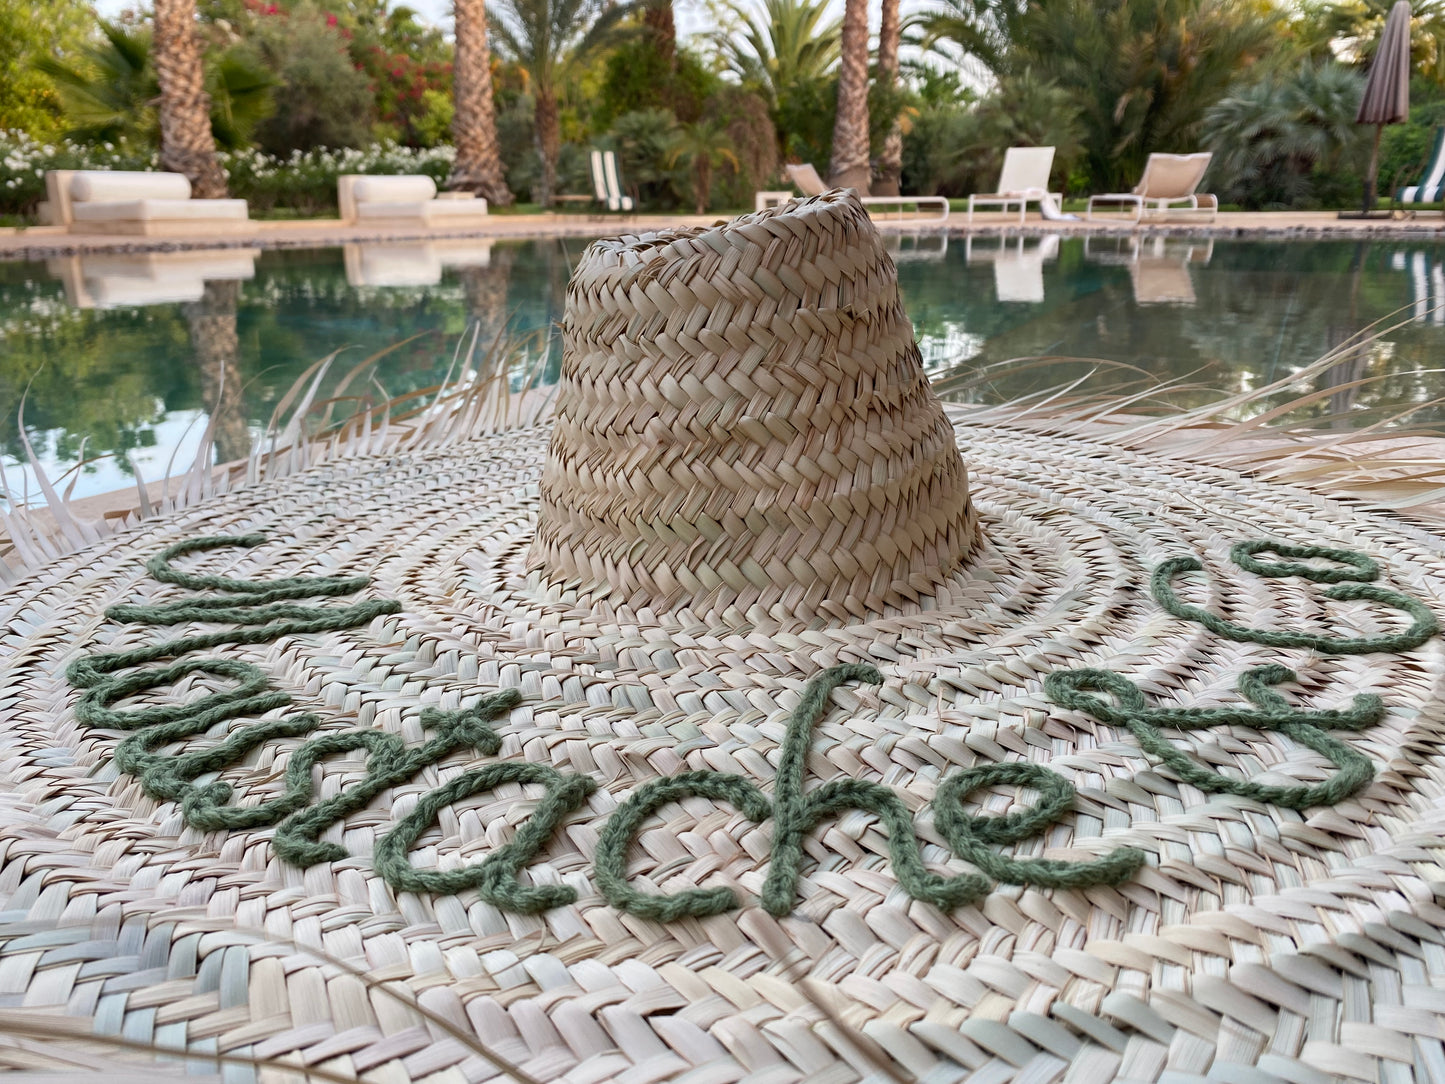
<point x="745" y="430"/>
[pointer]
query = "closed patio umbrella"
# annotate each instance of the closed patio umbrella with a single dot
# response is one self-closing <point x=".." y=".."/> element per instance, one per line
<point x="1386" y="99"/>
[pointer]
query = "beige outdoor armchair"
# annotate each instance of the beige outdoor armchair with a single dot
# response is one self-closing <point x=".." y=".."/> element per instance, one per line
<point x="1168" y="180"/>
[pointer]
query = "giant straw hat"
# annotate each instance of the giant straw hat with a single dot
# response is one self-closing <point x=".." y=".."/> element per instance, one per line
<point x="729" y="729"/>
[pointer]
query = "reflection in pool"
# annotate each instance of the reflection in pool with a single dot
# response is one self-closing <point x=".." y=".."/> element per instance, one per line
<point x="123" y="360"/>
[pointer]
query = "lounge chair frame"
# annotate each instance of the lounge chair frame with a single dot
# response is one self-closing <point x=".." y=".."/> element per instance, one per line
<point x="806" y="177"/>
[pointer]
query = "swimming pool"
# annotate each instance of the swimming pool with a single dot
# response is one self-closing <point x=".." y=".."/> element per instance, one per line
<point x="121" y="357"/>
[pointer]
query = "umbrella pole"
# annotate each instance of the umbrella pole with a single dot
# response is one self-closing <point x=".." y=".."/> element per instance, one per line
<point x="1373" y="170"/>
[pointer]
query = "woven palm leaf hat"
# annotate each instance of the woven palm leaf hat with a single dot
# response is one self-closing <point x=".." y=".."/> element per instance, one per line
<point x="759" y="719"/>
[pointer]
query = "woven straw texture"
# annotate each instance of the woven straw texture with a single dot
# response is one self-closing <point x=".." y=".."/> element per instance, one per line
<point x="744" y="428"/>
<point x="1258" y="944"/>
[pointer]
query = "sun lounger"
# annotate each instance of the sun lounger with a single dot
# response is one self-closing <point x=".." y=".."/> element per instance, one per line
<point x="1169" y="180"/>
<point x="1431" y="186"/>
<point x="137" y="203"/>
<point x="410" y="201"/>
<point x="1024" y="179"/>
<point x="109" y="280"/>
<point x="418" y="263"/>
<point x="605" y="182"/>
<point x="810" y="184"/>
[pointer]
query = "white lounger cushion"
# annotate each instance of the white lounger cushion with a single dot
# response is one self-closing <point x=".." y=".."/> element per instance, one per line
<point x="428" y="211"/>
<point x="96" y="186"/>
<point x="155" y="210"/>
<point x="413" y="189"/>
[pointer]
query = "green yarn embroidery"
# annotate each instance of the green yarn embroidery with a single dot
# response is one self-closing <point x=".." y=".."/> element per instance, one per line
<point x="495" y="877"/>
<point x="795" y="814"/>
<point x="267" y="610"/>
<point x="388" y="763"/>
<point x="1360" y="569"/>
<point x="1075" y="689"/>
<point x="259" y="608"/>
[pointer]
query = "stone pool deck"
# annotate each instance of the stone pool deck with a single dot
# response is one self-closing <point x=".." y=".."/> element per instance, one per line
<point x="42" y="241"/>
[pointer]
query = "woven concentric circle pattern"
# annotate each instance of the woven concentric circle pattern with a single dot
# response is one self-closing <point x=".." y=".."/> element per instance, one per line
<point x="1257" y="944"/>
<point x="744" y="427"/>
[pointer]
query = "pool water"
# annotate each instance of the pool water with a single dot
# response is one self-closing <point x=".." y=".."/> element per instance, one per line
<point x="120" y="361"/>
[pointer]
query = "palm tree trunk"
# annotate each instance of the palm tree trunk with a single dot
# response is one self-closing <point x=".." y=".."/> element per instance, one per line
<point x="658" y="17"/>
<point x="211" y="322"/>
<point x="187" y="145"/>
<point x="549" y="143"/>
<point x="890" y="164"/>
<point x="478" y="165"/>
<point x="849" y="165"/>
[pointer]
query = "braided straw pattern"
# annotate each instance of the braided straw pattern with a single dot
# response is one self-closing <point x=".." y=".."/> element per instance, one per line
<point x="1258" y="944"/>
<point x="744" y="428"/>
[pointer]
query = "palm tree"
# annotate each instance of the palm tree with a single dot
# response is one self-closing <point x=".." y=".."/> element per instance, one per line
<point x="478" y="165"/>
<point x="849" y="166"/>
<point x="702" y="146"/>
<point x="187" y="145"/>
<point x="890" y="163"/>
<point x="979" y="29"/>
<point x="792" y="43"/>
<point x="551" y="40"/>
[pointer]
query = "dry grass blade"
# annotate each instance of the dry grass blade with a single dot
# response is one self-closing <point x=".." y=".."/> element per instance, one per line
<point x="18" y="1024"/>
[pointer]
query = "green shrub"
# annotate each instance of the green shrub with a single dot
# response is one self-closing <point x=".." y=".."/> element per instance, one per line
<point x="638" y="77"/>
<point x="750" y="134"/>
<point x="325" y="100"/>
<point x="643" y="140"/>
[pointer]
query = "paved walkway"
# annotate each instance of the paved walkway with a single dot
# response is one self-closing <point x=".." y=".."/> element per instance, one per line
<point x="42" y="241"/>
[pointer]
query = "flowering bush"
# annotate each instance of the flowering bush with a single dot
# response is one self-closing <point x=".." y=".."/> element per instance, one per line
<point x="25" y="161"/>
<point x="304" y="181"/>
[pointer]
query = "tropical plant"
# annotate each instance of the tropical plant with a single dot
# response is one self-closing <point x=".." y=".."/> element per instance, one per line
<point x="702" y="146"/>
<point x="749" y="130"/>
<point x="109" y="95"/>
<point x="187" y="145"/>
<point x="1027" y="110"/>
<point x="644" y="141"/>
<point x="551" y="40"/>
<point x="478" y="166"/>
<point x="982" y="30"/>
<point x="31" y="30"/>
<point x="848" y="167"/>
<point x="1268" y="137"/>
<point x="789" y="44"/>
<point x="1142" y="73"/>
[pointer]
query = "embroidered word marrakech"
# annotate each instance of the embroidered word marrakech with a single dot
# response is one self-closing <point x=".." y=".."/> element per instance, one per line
<point x="266" y="611"/>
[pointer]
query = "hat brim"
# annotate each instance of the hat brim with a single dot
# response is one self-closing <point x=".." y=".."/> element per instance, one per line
<point x="1248" y="919"/>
